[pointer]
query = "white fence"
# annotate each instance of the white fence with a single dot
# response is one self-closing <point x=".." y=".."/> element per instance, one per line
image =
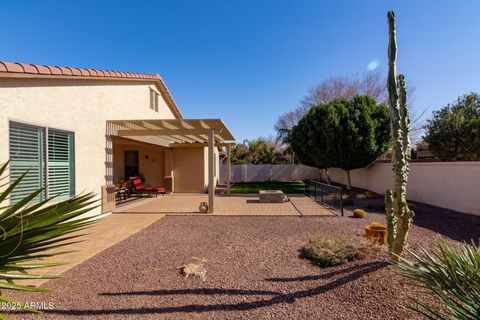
<point x="451" y="185"/>
<point x="268" y="172"/>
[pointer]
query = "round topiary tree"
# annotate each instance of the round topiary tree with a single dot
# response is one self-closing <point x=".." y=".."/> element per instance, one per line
<point x="343" y="134"/>
<point x="362" y="134"/>
<point x="454" y="131"/>
<point x="310" y="145"/>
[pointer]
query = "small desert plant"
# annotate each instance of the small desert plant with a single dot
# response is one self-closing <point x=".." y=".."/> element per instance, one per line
<point x="451" y="274"/>
<point x="325" y="251"/>
<point x="359" y="213"/>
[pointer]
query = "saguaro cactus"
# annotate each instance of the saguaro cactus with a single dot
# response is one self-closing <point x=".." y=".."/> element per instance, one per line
<point x="399" y="216"/>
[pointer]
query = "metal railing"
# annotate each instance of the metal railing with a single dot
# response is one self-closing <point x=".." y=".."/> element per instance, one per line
<point x="329" y="195"/>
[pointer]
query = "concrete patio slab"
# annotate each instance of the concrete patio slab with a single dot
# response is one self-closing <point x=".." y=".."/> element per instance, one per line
<point x="226" y="205"/>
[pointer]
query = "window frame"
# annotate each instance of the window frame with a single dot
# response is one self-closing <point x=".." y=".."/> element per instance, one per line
<point x="71" y="149"/>
<point x="154" y="99"/>
<point x="45" y="175"/>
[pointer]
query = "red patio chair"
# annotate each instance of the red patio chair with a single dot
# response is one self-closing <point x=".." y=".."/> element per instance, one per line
<point x="141" y="189"/>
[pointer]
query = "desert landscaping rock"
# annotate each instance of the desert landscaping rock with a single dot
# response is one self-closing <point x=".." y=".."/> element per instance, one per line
<point x="253" y="272"/>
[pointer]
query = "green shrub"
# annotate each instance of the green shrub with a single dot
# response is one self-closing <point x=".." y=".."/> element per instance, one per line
<point x="331" y="251"/>
<point x="347" y="134"/>
<point x="453" y="132"/>
<point x="359" y="214"/>
<point x="451" y="274"/>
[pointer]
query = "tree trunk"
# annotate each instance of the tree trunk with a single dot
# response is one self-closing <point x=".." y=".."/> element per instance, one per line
<point x="349" y="181"/>
<point x="328" y="176"/>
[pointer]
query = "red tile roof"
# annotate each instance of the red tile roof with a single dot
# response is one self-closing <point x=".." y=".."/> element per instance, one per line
<point x="35" y="69"/>
<point x="17" y="67"/>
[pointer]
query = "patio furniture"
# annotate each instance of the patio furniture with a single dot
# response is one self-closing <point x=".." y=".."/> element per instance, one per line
<point x="121" y="191"/>
<point x="138" y="187"/>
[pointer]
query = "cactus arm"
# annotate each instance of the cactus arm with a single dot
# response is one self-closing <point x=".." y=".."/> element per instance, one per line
<point x="404" y="115"/>
<point x="393" y="104"/>
<point x="399" y="216"/>
<point x="390" y="218"/>
<point x="392" y="57"/>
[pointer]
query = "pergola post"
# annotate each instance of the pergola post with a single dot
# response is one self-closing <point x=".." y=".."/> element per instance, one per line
<point x="211" y="173"/>
<point x="229" y="167"/>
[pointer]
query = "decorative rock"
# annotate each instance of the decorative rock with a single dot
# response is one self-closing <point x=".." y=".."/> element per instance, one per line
<point x="194" y="269"/>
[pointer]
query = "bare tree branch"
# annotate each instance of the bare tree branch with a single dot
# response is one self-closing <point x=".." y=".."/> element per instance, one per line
<point x="370" y="83"/>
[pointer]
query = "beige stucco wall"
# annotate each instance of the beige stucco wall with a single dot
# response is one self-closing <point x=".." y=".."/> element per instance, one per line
<point x="187" y="169"/>
<point x="452" y="185"/>
<point x="80" y="106"/>
<point x="190" y="169"/>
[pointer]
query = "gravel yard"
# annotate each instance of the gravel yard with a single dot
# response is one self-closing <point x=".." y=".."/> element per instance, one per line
<point x="253" y="272"/>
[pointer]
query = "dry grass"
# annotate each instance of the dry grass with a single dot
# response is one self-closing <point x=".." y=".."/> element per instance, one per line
<point x="332" y="251"/>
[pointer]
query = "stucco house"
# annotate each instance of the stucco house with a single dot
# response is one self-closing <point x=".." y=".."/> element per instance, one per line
<point x="81" y="130"/>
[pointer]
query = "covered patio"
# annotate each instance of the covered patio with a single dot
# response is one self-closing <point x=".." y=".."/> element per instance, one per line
<point x="179" y="154"/>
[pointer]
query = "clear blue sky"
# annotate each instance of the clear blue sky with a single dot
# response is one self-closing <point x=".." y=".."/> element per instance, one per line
<point x="249" y="61"/>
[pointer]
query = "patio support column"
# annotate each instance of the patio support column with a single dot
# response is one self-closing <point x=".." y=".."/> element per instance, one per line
<point x="211" y="173"/>
<point x="229" y="167"/>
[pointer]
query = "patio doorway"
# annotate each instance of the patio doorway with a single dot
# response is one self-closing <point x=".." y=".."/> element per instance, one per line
<point x="131" y="164"/>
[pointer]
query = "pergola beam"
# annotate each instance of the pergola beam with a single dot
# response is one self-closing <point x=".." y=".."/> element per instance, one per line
<point x="197" y="145"/>
<point x="165" y="132"/>
<point x="184" y="127"/>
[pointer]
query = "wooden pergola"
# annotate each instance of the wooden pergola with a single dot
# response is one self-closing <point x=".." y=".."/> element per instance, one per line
<point x="181" y="133"/>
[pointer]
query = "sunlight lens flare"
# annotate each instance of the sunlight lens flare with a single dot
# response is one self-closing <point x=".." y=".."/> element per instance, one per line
<point x="373" y="65"/>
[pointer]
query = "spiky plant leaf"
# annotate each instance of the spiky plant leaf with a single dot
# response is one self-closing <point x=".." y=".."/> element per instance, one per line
<point x="31" y="232"/>
<point x="451" y="274"/>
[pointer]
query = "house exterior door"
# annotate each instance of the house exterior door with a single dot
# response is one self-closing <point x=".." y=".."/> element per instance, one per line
<point x="131" y="164"/>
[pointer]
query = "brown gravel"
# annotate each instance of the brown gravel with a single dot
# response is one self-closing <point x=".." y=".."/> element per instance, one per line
<point x="253" y="272"/>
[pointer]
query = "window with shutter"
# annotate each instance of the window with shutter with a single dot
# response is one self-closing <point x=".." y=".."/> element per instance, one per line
<point x="154" y="97"/>
<point x="27" y="153"/>
<point x="60" y="163"/>
<point x="56" y="166"/>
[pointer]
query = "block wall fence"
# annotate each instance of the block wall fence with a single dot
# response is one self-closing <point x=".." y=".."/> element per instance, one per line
<point x="451" y="185"/>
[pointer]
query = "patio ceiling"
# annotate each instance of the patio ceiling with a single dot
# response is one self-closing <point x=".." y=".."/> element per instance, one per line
<point x="172" y="132"/>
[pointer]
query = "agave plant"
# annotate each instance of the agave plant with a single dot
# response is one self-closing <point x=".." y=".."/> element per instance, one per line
<point x="451" y="274"/>
<point x="30" y="230"/>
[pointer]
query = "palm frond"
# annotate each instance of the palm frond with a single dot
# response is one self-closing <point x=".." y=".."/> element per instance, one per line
<point x="33" y="231"/>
